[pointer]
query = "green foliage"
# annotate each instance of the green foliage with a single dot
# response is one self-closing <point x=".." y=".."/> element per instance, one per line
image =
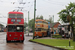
<point x="57" y="36"/>
<point x="41" y="17"/>
<point x="49" y="20"/>
<point x="70" y="10"/>
<point x="56" y="42"/>
<point x="31" y="23"/>
<point x="25" y="24"/>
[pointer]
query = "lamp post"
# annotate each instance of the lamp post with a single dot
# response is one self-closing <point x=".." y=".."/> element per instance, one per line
<point x="34" y="17"/>
<point x="69" y="27"/>
<point x="53" y="24"/>
<point x="28" y="23"/>
<point x="25" y="27"/>
<point x="69" y="38"/>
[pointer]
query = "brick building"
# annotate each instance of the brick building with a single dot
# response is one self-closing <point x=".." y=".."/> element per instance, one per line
<point x="54" y="26"/>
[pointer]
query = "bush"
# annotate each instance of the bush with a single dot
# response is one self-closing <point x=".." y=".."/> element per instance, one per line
<point x="56" y="36"/>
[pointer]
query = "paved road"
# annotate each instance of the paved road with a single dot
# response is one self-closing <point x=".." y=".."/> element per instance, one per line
<point x="21" y="46"/>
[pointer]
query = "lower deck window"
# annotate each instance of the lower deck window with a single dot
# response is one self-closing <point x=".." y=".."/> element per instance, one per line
<point x="38" y="29"/>
<point x="11" y="28"/>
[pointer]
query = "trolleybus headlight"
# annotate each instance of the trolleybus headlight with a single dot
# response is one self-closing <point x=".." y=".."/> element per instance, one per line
<point x="9" y="35"/>
<point x="20" y="35"/>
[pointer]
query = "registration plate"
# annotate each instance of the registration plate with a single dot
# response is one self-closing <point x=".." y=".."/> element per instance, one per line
<point x="15" y="38"/>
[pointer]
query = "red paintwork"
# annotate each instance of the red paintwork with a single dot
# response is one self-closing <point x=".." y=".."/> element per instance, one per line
<point x="9" y="21"/>
<point x="15" y="34"/>
<point x="15" y="13"/>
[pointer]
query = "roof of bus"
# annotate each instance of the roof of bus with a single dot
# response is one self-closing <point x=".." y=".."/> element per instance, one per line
<point x="15" y="12"/>
<point x="41" y="20"/>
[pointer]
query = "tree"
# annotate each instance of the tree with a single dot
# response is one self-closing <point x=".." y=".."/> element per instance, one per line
<point x="68" y="13"/>
<point x="41" y="17"/>
<point x="31" y="23"/>
<point x="49" y="20"/>
<point x="25" y="24"/>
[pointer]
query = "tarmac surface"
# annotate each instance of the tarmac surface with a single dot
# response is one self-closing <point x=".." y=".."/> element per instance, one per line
<point x="21" y="46"/>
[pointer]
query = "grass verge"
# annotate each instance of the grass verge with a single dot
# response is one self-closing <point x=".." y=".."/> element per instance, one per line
<point x="60" y="43"/>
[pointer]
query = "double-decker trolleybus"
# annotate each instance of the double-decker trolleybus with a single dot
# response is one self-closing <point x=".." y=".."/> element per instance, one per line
<point x="15" y="27"/>
<point x="41" y="27"/>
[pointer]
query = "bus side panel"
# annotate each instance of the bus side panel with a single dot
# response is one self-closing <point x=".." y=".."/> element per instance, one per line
<point x="45" y="33"/>
<point x="38" y="34"/>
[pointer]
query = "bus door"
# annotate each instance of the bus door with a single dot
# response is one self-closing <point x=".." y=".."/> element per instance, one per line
<point x="20" y="31"/>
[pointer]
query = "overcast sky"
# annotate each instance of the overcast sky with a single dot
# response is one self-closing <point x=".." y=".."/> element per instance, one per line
<point x="44" y="7"/>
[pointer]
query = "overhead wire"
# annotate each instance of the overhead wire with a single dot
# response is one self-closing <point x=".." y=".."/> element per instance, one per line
<point x="53" y="3"/>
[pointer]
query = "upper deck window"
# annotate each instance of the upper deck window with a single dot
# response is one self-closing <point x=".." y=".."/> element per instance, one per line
<point x="12" y="15"/>
<point x="15" y="15"/>
<point x="19" y="15"/>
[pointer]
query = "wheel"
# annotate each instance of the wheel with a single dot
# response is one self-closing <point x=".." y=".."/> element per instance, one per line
<point x="7" y="40"/>
<point x="22" y="41"/>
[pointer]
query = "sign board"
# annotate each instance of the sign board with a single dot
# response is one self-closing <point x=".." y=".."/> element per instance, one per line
<point x="48" y="24"/>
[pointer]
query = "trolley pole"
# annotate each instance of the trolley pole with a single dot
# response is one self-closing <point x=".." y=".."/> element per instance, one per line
<point x="34" y="17"/>
<point x="28" y="23"/>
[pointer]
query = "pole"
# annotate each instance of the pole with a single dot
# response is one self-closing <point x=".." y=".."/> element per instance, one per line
<point x="34" y="17"/>
<point x="53" y="18"/>
<point x="53" y="24"/>
<point x="25" y="27"/>
<point x="28" y="23"/>
<point x="69" y="38"/>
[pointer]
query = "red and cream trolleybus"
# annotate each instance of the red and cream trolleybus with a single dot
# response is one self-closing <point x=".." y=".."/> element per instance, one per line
<point x="41" y="27"/>
<point x="15" y="27"/>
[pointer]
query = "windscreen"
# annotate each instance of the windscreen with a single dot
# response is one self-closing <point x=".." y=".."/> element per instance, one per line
<point x="38" y="29"/>
<point x="11" y="28"/>
<point x="19" y="28"/>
